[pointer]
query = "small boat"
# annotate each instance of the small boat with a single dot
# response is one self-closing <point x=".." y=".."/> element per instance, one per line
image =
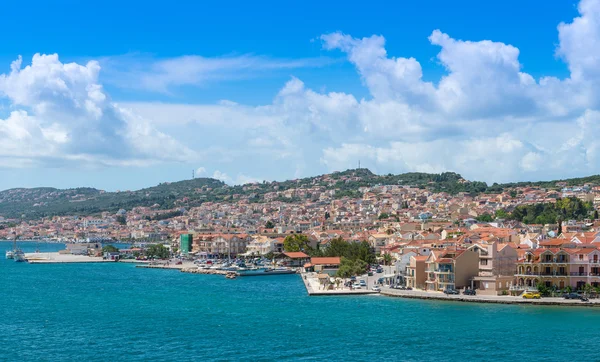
<point x="19" y="256"/>
<point x="10" y="254"/>
<point x="264" y="271"/>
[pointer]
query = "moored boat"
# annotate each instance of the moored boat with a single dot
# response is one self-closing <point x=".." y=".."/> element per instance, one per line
<point x="9" y="254"/>
<point x="19" y="256"/>
<point x="264" y="271"/>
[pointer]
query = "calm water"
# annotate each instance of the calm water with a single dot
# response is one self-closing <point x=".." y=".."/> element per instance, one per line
<point x="110" y="312"/>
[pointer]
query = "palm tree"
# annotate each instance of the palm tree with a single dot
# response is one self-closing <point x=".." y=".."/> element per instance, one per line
<point x="387" y="259"/>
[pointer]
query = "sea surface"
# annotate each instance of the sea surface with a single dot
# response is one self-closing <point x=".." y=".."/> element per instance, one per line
<point x="114" y="312"/>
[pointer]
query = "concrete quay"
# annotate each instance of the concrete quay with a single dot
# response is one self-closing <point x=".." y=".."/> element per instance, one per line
<point x="498" y="299"/>
<point x="184" y="268"/>
<point x="57" y="258"/>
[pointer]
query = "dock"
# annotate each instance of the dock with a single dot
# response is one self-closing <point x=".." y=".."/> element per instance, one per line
<point x="57" y="258"/>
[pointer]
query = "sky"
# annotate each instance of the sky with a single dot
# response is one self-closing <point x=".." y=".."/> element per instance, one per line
<point x="125" y="95"/>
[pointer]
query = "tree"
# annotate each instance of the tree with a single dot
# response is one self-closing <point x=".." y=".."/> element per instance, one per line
<point x="595" y="214"/>
<point x="502" y="214"/>
<point x="485" y="218"/>
<point x="158" y="251"/>
<point x="121" y="219"/>
<point x="559" y="227"/>
<point x="350" y="268"/>
<point x="387" y="259"/>
<point x="327" y="215"/>
<point x="383" y="215"/>
<point x="296" y="242"/>
<point x="269" y="225"/>
<point x="543" y="289"/>
<point x="110" y="249"/>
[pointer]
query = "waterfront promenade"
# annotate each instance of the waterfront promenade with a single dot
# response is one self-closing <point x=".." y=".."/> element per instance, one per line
<point x="498" y="299"/>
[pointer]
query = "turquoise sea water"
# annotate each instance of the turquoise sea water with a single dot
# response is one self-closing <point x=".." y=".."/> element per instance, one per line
<point x="108" y="312"/>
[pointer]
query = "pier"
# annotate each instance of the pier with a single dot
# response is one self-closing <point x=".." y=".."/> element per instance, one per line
<point x="57" y="258"/>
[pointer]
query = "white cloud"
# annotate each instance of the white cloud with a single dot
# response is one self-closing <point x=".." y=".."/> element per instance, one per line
<point x="62" y="115"/>
<point x="241" y="179"/>
<point x="486" y="117"/>
<point x="150" y="74"/>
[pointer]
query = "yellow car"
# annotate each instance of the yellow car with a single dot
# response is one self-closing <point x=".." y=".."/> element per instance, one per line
<point x="531" y="295"/>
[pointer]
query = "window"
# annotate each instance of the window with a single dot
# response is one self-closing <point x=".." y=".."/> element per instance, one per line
<point x="483" y="262"/>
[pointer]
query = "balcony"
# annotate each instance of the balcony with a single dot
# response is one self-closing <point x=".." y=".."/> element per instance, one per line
<point x="443" y="271"/>
<point x="553" y="274"/>
<point x="528" y="273"/>
<point x="578" y="274"/>
<point x="555" y="261"/>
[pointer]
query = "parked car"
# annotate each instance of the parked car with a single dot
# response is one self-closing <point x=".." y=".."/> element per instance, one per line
<point x="356" y="286"/>
<point x="363" y="283"/>
<point x="531" y="295"/>
<point x="370" y="273"/>
<point x="451" y="291"/>
<point x="572" y="296"/>
<point x="469" y="292"/>
<point x="353" y="279"/>
<point x="379" y="270"/>
<point x="376" y="289"/>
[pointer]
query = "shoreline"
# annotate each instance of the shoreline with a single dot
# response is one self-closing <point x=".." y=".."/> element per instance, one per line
<point x="312" y="285"/>
<point x="549" y="301"/>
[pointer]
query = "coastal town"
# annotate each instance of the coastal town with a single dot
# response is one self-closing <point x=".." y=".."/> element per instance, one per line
<point x="427" y="241"/>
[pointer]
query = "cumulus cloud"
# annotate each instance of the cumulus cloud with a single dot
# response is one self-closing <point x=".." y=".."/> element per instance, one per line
<point x="485" y="117"/>
<point x="61" y="114"/>
<point x="241" y="179"/>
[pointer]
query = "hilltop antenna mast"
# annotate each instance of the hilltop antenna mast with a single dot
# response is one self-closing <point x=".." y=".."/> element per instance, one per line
<point x="193" y="174"/>
<point x="359" y="164"/>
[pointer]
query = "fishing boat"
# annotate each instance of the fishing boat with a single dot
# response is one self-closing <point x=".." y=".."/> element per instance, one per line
<point x="264" y="271"/>
<point x="19" y="256"/>
<point x="10" y="254"/>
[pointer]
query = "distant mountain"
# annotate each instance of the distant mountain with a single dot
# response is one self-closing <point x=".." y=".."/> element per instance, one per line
<point x="45" y="201"/>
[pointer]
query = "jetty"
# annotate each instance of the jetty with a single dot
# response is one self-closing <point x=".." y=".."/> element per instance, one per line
<point x="184" y="268"/>
<point x="58" y="258"/>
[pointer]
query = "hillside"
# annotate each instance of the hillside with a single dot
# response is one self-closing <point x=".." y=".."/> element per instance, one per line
<point x="40" y="202"/>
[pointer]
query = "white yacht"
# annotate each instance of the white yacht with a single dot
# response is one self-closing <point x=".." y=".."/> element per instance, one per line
<point x="10" y="254"/>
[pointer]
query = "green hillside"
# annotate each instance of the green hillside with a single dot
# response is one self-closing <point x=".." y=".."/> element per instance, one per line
<point x="44" y="201"/>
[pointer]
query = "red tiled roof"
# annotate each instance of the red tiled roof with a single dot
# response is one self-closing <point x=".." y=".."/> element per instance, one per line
<point x="295" y="255"/>
<point x="326" y="261"/>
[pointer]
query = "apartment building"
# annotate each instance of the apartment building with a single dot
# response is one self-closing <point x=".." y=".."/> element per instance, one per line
<point x="451" y="269"/>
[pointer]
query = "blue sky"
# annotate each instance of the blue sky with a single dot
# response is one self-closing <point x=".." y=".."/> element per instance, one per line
<point x="144" y="92"/>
